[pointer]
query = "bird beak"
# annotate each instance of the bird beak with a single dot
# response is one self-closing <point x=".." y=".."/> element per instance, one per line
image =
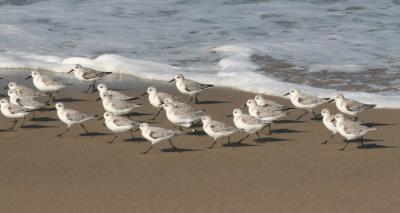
<point x="144" y="94"/>
<point x="101" y="118"/>
<point x="98" y="99"/>
<point x="6" y="87"/>
<point x="286" y="94"/>
<point x="243" y="106"/>
<point x="28" y="77"/>
<point x="52" y="109"/>
<point x="331" y="100"/>
<point x="70" y="71"/>
<point x="230" y="115"/>
<point x="171" y="80"/>
<point x="332" y="120"/>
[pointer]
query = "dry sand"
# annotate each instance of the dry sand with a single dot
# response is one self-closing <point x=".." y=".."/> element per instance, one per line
<point x="289" y="171"/>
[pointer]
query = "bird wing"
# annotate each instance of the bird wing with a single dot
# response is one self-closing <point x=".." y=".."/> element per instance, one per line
<point x="353" y="105"/>
<point x="122" y="121"/>
<point x="74" y="115"/>
<point x="13" y="108"/>
<point x="194" y="86"/>
<point x="92" y="73"/>
<point x="158" y="132"/>
<point x="308" y="99"/>
<point x="250" y="119"/>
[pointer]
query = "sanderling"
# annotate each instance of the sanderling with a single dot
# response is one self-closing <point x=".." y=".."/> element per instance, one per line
<point x="329" y="123"/>
<point x="119" y="124"/>
<point x="102" y="88"/>
<point x="156" y="135"/>
<point x="190" y="87"/>
<point x="88" y="74"/>
<point x="45" y="83"/>
<point x="350" y="107"/>
<point x="71" y="117"/>
<point x="156" y="99"/>
<point x="117" y="107"/>
<point x="248" y="123"/>
<point x="22" y="90"/>
<point x="27" y="102"/>
<point x="182" y="117"/>
<point x="268" y="114"/>
<point x="13" y="111"/>
<point x="350" y="130"/>
<point x="262" y="101"/>
<point x="305" y="101"/>
<point x="217" y="129"/>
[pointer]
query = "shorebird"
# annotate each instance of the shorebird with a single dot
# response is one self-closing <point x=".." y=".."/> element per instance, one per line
<point x="28" y="102"/>
<point x="88" y="74"/>
<point x="157" y="98"/>
<point x="350" y="107"/>
<point x="182" y="117"/>
<point x="13" y="111"/>
<point x="117" y="107"/>
<point x="351" y="130"/>
<point x="156" y="135"/>
<point x="189" y="87"/>
<point x="267" y="114"/>
<point x="22" y="90"/>
<point x="329" y="122"/>
<point x="248" y="123"/>
<point x="45" y="83"/>
<point x="217" y="129"/>
<point x="262" y="101"/>
<point x="102" y="88"/>
<point x="119" y="124"/>
<point x="71" y="117"/>
<point x="305" y="101"/>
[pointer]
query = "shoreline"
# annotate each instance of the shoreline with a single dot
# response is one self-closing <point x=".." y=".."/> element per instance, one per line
<point x="289" y="171"/>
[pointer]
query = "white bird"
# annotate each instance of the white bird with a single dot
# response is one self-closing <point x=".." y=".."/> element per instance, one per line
<point x="71" y="117"/>
<point x="330" y="124"/>
<point x="117" y="107"/>
<point x="157" y="98"/>
<point x="157" y="134"/>
<point x="305" y="101"/>
<point x="350" y="107"/>
<point x="45" y="83"/>
<point x="13" y="111"/>
<point x="248" y="123"/>
<point x="102" y="88"/>
<point x="267" y="114"/>
<point x="217" y="129"/>
<point x="27" y="102"/>
<point x="262" y="101"/>
<point x="181" y="106"/>
<point x="87" y="74"/>
<point x="181" y="117"/>
<point x="22" y="90"/>
<point x="119" y="124"/>
<point x="351" y="130"/>
<point x="189" y="87"/>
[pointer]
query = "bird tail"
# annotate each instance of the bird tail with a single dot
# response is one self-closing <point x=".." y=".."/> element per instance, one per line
<point x="369" y="106"/>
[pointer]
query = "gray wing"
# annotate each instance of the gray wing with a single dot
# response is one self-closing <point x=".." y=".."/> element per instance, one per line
<point x="158" y="132"/>
<point x="308" y="99"/>
<point x="162" y="96"/>
<point x="74" y="115"/>
<point x="122" y="121"/>
<point x="218" y="126"/>
<point x="92" y="73"/>
<point x="251" y="120"/>
<point x="115" y="94"/>
<point x="194" y="86"/>
<point x="13" y="108"/>
<point x="49" y="81"/>
<point x="352" y="127"/>
<point x="264" y="112"/>
<point x="353" y="105"/>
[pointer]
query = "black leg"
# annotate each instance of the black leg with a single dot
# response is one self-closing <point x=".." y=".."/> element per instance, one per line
<point x="15" y="123"/>
<point x="315" y="115"/>
<point x="94" y="86"/>
<point x="156" y="115"/>
<point x="22" y="124"/>
<point x="270" y="129"/>
<point x="215" y="141"/>
<point x="84" y="128"/>
<point x="258" y="136"/>
<point x="131" y="131"/>
<point x="90" y="87"/>
<point x="326" y="141"/>
<point x="191" y="99"/>
<point x="196" y="98"/>
<point x="172" y="145"/>
<point x="241" y="140"/>
<point x="115" y="137"/>
<point x="345" y="145"/>
<point x="300" y="116"/>
<point x="62" y="133"/>
<point x="180" y="128"/>
<point x="362" y="141"/>
<point x="145" y="152"/>
<point x="50" y="98"/>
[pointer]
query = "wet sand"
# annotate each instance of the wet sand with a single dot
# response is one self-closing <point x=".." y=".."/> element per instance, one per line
<point x="289" y="171"/>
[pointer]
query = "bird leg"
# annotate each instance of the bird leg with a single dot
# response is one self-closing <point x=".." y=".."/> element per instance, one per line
<point x="300" y="116"/>
<point x="145" y="152"/>
<point x="196" y="98"/>
<point x="215" y="141"/>
<point x="258" y="136"/>
<point x="172" y="145"/>
<point x="326" y="141"/>
<point x="132" y="135"/>
<point x="362" y="141"/>
<point x="191" y="99"/>
<point x="315" y="115"/>
<point x="115" y="137"/>
<point x="84" y="128"/>
<point x="62" y="133"/>
<point x="157" y="113"/>
<point x="241" y="140"/>
<point x="15" y="123"/>
<point x="269" y="128"/>
<point x="344" y="147"/>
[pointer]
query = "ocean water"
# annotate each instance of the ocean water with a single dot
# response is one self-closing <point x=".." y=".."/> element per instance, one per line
<point x="267" y="46"/>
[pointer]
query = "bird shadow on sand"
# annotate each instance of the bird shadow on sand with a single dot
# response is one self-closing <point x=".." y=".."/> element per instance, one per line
<point x="69" y="100"/>
<point x="36" y="126"/>
<point x="180" y="150"/>
<point x="377" y="124"/>
<point x="138" y="114"/>
<point x="269" y="139"/>
<point x="374" y="146"/>
<point x="236" y="144"/>
<point x="282" y="131"/>
<point x="94" y="134"/>
<point x="197" y="133"/>
<point x="43" y="119"/>
<point x="7" y="130"/>
<point x="135" y="140"/>
<point x="288" y="121"/>
<point x="213" y="102"/>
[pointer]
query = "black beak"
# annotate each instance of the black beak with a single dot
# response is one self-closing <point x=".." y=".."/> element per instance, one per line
<point x="6" y="87"/>
<point x="28" y="77"/>
<point x="70" y="71"/>
<point x="286" y="94"/>
<point x="243" y="106"/>
<point x="171" y="80"/>
<point x="144" y="94"/>
<point x="332" y="120"/>
<point x="101" y="118"/>
<point x="52" y="109"/>
<point x="230" y="115"/>
<point x="98" y="99"/>
<point x="331" y="100"/>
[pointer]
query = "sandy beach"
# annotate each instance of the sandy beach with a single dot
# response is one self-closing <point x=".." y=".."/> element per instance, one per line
<point x="288" y="171"/>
